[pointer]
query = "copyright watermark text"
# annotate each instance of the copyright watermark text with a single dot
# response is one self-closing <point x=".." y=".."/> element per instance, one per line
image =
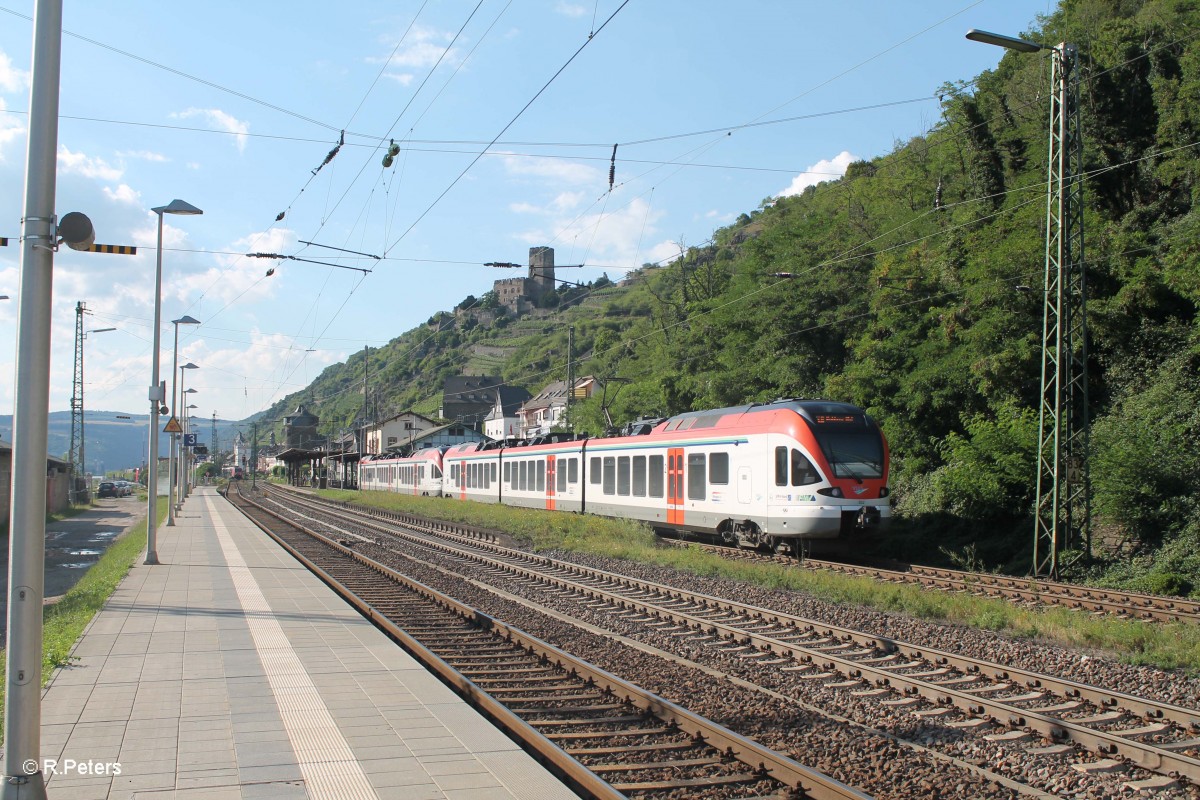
<point x="69" y="766"/>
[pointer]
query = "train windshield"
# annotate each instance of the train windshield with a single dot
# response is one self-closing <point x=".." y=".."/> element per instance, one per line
<point x="852" y="453"/>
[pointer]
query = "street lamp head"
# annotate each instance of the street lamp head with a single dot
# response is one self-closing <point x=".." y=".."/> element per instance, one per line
<point x="177" y="207"/>
<point x="1009" y="42"/>
<point x="185" y="320"/>
<point x="189" y="365"/>
<point x="190" y="390"/>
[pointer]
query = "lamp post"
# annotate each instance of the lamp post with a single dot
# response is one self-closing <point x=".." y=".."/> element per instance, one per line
<point x="1063" y="511"/>
<point x="172" y="474"/>
<point x="185" y="454"/>
<point x="177" y="453"/>
<point x="157" y="395"/>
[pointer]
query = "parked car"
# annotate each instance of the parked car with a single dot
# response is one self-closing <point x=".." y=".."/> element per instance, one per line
<point x="107" y="489"/>
<point x="124" y="488"/>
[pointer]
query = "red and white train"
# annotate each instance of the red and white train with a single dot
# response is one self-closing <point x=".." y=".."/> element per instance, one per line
<point x="772" y="475"/>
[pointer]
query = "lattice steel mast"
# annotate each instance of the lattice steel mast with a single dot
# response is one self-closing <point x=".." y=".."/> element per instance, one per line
<point x="76" y="453"/>
<point x="1063" y="485"/>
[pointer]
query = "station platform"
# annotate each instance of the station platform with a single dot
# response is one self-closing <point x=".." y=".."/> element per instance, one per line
<point x="230" y="671"/>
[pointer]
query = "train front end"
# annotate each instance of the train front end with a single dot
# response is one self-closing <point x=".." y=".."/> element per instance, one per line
<point x="834" y="485"/>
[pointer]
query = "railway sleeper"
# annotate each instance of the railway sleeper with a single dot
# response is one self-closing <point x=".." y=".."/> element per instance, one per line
<point x="672" y="764"/>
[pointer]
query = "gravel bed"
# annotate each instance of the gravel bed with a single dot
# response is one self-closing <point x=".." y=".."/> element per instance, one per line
<point x="866" y="759"/>
<point x="1086" y="667"/>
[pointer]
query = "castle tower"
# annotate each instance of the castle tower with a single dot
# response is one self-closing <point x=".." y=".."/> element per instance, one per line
<point x="541" y="271"/>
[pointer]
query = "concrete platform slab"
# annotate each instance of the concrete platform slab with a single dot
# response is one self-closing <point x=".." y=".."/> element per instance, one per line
<point x="229" y="671"/>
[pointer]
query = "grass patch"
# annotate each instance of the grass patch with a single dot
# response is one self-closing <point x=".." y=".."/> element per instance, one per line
<point x="1166" y="645"/>
<point x="63" y="622"/>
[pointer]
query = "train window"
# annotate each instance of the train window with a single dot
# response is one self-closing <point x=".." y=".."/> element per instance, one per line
<point x="803" y="472"/>
<point x="594" y="468"/>
<point x="560" y="475"/>
<point x="492" y="470"/>
<point x="623" y="476"/>
<point x="697" y="489"/>
<point x="610" y="475"/>
<point x="718" y="468"/>
<point x="639" y="476"/>
<point x="781" y="466"/>
<point x="655" y="474"/>
<point x="672" y="425"/>
<point x="573" y="470"/>
<point x="507" y="471"/>
<point x="523" y="479"/>
<point x="709" y="421"/>
<point x="487" y="475"/>
<point x="435" y="472"/>
<point x="540" y="467"/>
<point x="454" y="472"/>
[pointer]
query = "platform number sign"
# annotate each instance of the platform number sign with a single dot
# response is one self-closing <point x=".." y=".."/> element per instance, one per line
<point x="189" y="439"/>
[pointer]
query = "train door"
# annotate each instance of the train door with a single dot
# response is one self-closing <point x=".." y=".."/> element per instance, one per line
<point x="744" y="488"/>
<point x="675" y="486"/>
<point x="551" y="466"/>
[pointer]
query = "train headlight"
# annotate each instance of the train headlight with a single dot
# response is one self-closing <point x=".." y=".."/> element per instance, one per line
<point x="831" y="491"/>
<point x="884" y="492"/>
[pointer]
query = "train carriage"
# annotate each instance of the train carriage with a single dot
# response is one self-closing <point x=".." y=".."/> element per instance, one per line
<point x="763" y="475"/>
<point x="417" y="474"/>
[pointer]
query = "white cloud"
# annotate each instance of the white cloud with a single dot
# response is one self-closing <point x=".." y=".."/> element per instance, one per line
<point x="555" y="169"/>
<point x="825" y="170"/>
<point x="123" y="194"/>
<point x="11" y="78"/>
<point x="421" y="49"/>
<point x="224" y="121"/>
<point x="610" y="238"/>
<point x="10" y="129"/>
<point x="88" y="167"/>
<point x="570" y="9"/>
<point x="144" y="155"/>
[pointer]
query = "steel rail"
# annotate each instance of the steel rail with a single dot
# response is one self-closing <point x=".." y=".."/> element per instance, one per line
<point x="814" y="784"/>
<point x="1144" y="754"/>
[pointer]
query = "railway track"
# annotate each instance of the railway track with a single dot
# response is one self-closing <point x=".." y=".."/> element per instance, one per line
<point x="967" y="693"/>
<point x="1035" y="592"/>
<point x="1028" y="591"/>
<point x="608" y="738"/>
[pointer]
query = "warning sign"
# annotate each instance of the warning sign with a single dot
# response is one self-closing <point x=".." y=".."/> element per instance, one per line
<point x="173" y="426"/>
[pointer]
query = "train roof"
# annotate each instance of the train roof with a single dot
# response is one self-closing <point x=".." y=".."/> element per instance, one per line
<point x="817" y="412"/>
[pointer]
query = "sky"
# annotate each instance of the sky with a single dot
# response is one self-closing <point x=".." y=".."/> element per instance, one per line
<point x="505" y="113"/>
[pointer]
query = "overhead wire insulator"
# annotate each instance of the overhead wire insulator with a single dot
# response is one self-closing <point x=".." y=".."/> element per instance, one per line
<point x="390" y="156"/>
<point x="280" y="216"/>
<point x="612" y="168"/>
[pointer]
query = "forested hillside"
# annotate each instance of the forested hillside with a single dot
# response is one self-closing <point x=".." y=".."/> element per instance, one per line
<point x="916" y="291"/>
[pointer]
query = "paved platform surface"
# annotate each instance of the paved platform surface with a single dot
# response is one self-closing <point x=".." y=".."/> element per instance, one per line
<point x="229" y="671"/>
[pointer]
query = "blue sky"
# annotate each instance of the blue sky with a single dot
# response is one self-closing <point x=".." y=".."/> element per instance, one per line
<point x="232" y="106"/>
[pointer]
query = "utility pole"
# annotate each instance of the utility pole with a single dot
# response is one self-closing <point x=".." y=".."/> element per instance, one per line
<point x="1063" y="512"/>
<point x="254" y="458"/>
<point x="76" y="453"/>
<point x="214" y="436"/>
<point x="1064" y="482"/>
<point x="570" y="373"/>
<point x="31" y="401"/>
<point x="366" y="389"/>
